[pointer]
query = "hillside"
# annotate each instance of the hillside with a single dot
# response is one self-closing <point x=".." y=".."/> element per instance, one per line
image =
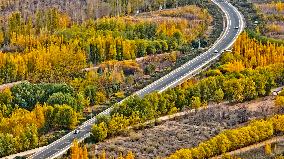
<point x="184" y="132"/>
<point x="65" y="62"/>
<point x="52" y="52"/>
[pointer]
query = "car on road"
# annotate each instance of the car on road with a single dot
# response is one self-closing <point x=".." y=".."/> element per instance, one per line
<point x="76" y="131"/>
<point x="228" y="50"/>
<point x="216" y="51"/>
<point x="236" y="27"/>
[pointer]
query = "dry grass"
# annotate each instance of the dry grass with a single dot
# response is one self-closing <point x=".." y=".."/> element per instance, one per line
<point x="187" y="131"/>
<point x="273" y="14"/>
<point x="259" y="153"/>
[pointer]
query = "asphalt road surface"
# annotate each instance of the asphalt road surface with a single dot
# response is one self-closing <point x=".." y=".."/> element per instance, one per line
<point x="234" y="25"/>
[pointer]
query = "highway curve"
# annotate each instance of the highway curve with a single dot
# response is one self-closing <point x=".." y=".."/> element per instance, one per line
<point x="234" y="25"/>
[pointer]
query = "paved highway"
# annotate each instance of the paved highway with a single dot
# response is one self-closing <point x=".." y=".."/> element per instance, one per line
<point x="234" y="24"/>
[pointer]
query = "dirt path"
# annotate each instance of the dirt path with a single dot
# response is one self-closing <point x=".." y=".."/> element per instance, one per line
<point x="252" y="147"/>
<point x="25" y="153"/>
<point x="9" y="85"/>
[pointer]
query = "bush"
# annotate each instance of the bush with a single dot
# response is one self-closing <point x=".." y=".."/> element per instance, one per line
<point x="60" y="99"/>
<point x="267" y="149"/>
<point x="150" y="69"/>
<point x="185" y="48"/>
<point x="99" y="132"/>
<point x="151" y="49"/>
<point x="63" y="116"/>
<point x="279" y="101"/>
<point x="278" y="123"/>
<point x="26" y="95"/>
<point x="195" y="102"/>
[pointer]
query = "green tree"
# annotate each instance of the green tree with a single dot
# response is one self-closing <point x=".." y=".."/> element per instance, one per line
<point x="7" y="144"/>
<point x="90" y="93"/>
<point x="60" y="99"/>
<point x="117" y="124"/>
<point x="218" y="95"/>
<point x="196" y="102"/>
<point x="15" y="23"/>
<point x="26" y="95"/>
<point x="64" y="117"/>
<point x="99" y="132"/>
<point x="233" y="90"/>
<point x="249" y="89"/>
<point x="279" y="102"/>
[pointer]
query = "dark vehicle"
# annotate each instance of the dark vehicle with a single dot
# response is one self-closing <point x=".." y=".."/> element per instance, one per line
<point x="76" y="131"/>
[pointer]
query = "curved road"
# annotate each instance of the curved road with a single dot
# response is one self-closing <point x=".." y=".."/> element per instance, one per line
<point x="233" y="19"/>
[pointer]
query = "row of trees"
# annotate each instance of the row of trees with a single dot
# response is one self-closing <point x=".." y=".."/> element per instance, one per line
<point x="83" y="10"/>
<point x="51" y="63"/>
<point x="109" y="48"/>
<point x="229" y="140"/>
<point x="231" y="87"/>
<point x="253" y="53"/>
<point x="59" y="53"/>
<point x="27" y="95"/>
<point x="78" y="152"/>
<point x="51" y="20"/>
<point x="22" y="129"/>
<point x="28" y="111"/>
<point x="237" y="84"/>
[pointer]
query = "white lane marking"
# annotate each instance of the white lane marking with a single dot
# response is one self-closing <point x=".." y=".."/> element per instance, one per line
<point x="228" y="46"/>
<point x="164" y="77"/>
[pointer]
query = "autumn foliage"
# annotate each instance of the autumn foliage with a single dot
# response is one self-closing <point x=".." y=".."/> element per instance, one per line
<point x="252" y="53"/>
<point x="78" y="152"/>
<point x="51" y="49"/>
<point x="229" y="140"/>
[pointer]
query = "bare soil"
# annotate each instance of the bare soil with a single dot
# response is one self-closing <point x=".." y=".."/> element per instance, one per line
<point x="186" y="131"/>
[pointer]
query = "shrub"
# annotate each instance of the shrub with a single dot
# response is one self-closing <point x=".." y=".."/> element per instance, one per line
<point x="279" y="101"/>
<point x="150" y="69"/>
<point x="267" y="149"/>
<point x="151" y="49"/>
<point x="60" y="99"/>
<point x="99" y="132"/>
<point x="195" y="102"/>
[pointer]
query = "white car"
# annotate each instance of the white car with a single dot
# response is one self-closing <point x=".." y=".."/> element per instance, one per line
<point x="216" y="51"/>
<point x="236" y="27"/>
